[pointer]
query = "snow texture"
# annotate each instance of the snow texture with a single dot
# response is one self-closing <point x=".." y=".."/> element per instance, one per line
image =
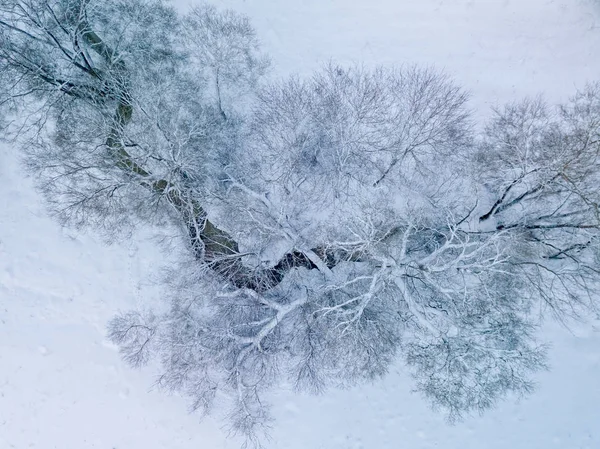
<point x="63" y="387"/>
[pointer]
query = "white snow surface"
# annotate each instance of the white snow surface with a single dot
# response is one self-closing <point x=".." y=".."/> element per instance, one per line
<point x="63" y="387"/>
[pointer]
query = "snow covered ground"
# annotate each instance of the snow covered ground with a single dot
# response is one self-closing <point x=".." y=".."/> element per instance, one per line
<point x="63" y="387"/>
<point x="497" y="49"/>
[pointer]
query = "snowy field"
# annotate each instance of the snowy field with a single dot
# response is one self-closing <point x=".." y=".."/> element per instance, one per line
<point x="63" y="387"/>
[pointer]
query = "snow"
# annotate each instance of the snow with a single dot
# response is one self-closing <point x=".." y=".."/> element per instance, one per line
<point x="497" y="49"/>
<point x="62" y="386"/>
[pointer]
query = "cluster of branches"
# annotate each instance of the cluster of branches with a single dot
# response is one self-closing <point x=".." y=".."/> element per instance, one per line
<point x="334" y="225"/>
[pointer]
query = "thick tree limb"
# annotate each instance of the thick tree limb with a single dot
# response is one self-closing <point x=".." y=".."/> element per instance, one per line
<point x="212" y="245"/>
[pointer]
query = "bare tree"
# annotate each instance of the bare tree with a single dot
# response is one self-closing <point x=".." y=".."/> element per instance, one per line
<point x="335" y="225"/>
<point x="541" y="167"/>
<point x="225" y="46"/>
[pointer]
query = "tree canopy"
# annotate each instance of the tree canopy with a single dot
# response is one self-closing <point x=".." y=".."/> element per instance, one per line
<point x="334" y="225"/>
